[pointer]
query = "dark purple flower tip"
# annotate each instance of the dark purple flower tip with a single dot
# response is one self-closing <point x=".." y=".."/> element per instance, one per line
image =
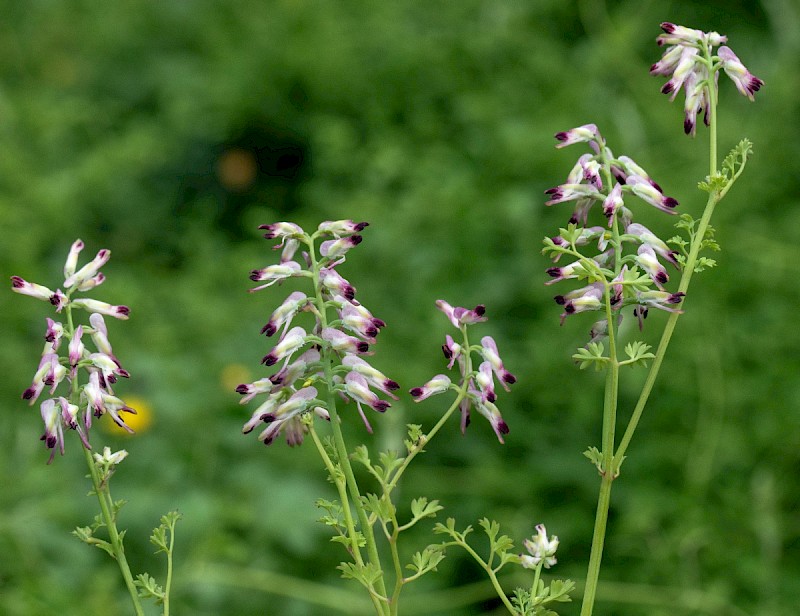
<point x="267" y="418"/>
<point x="668" y="27"/>
<point x="17" y="282"/>
<point x="509" y="378"/>
<point x="416" y="392"/>
<point x="255" y="275"/>
<point x="355" y="240"/>
<point x="49" y="439"/>
<point x="662" y="277"/>
<point x="123" y="310"/>
<point x="360" y="226"/>
<point x="268" y="440"/>
<point x="553" y="272"/>
<point x="491" y="396"/>
<point x="381" y="406"/>
<point x="670" y="202"/>
<point x="448" y="352"/>
<point x="754" y="84"/>
<point x="676" y="298"/>
<point x="242" y="389"/>
<point x="554" y="192"/>
<point x="560" y="300"/>
<point x="247" y="430"/>
<point x="28" y="393"/>
<point x="558" y="240"/>
<point x="269" y="329"/>
<point x="688" y="125"/>
<point x="391" y="385"/>
<point x="561" y="136"/>
<point x="569" y="308"/>
<point x="378" y="323"/>
<point x="371" y="332"/>
<point x="502" y="427"/>
<point x="668" y="88"/>
<point x="362" y="347"/>
<point x="480" y="310"/>
<point x="349" y="292"/>
<point x="269" y="359"/>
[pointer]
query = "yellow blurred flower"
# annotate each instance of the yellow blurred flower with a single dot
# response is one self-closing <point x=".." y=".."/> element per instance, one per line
<point x="233" y="375"/>
<point x="139" y="423"/>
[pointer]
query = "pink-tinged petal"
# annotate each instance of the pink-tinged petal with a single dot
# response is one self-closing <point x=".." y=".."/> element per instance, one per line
<point x="485" y="380"/>
<point x="335" y="284"/>
<point x="374" y="377"/>
<point x="666" y="65"/>
<point x="356" y="386"/>
<point x="342" y="343"/>
<point x="491" y="355"/>
<point x="612" y="203"/>
<point x="462" y="316"/>
<point x="340" y="228"/>
<point x="333" y="249"/>
<point x="648" y="237"/>
<point x="643" y="189"/>
<point x="89" y="270"/>
<point x="282" y="230"/>
<point x="275" y="273"/>
<point x="747" y="83"/>
<point x="647" y="260"/>
<point x="438" y="384"/>
<point x="92" y="305"/>
<point x="283" y="314"/>
<point x="55" y="331"/>
<point x="581" y="134"/>
<point x="23" y="287"/>
<point x="294" y="339"/>
<point x="492" y="413"/>
<point x="72" y="258"/>
<point x="452" y="351"/>
<point x="571" y="192"/>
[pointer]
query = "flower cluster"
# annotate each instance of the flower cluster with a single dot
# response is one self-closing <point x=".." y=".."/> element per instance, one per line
<point x="689" y="63"/>
<point x="74" y="409"/>
<point x="478" y="386"/>
<point x="333" y="346"/>
<point x="540" y="549"/>
<point x="600" y="177"/>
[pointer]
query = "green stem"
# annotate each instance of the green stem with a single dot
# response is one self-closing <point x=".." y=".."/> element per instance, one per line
<point x="611" y="459"/>
<point x="355" y="551"/>
<point x="462" y="392"/>
<point x="492" y="576"/>
<point x="341" y="447"/>
<point x="103" y="494"/>
<point x="168" y="584"/>
<point x="609" y="471"/>
<point x="104" y="498"/>
<point x="398" y="569"/>
<point x="683" y="285"/>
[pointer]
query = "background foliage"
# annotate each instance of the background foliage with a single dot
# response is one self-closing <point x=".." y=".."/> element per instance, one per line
<point x="168" y="131"/>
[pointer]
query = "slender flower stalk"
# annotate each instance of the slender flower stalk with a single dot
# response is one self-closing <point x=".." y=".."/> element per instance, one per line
<point x="83" y="402"/>
<point x="691" y="66"/>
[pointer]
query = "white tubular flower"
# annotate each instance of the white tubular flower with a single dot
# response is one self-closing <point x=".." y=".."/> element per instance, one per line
<point x="540" y="549"/>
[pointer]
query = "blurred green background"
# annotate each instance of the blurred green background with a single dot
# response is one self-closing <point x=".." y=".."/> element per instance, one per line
<point x="168" y="131"/>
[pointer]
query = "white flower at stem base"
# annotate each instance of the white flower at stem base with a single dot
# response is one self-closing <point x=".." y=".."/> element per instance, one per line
<point x="540" y="549"/>
<point x="110" y="459"/>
